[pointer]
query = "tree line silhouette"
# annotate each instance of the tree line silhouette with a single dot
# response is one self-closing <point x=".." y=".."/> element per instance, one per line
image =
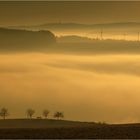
<point x="30" y="113"/>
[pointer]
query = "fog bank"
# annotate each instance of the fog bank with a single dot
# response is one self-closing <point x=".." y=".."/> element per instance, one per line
<point x="85" y="87"/>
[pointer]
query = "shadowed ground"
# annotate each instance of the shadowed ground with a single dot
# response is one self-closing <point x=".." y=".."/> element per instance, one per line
<point x="65" y="129"/>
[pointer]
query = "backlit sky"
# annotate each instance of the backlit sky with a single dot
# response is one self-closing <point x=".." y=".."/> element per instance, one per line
<point x="103" y="86"/>
<point x="28" y="13"/>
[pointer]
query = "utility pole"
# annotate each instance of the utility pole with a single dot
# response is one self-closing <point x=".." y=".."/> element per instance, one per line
<point x="101" y="35"/>
<point x="138" y="36"/>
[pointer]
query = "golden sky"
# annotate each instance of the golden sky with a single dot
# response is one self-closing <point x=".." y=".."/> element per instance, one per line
<point x="25" y="13"/>
<point x="96" y="87"/>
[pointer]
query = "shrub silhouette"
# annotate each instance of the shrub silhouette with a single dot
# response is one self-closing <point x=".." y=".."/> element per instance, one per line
<point x="4" y="113"/>
<point x="30" y="113"/>
<point x="45" y="113"/>
<point x="58" y="115"/>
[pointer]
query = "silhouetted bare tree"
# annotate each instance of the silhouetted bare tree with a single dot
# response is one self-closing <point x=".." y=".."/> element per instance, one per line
<point x="58" y="115"/>
<point x="4" y="113"/>
<point x="45" y="113"/>
<point x="30" y="113"/>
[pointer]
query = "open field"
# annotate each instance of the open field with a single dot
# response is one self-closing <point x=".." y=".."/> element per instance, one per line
<point x="22" y="128"/>
<point x="39" y="123"/>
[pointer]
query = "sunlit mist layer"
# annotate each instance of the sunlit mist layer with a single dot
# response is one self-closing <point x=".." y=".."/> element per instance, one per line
<point x="124" y="35"/>
<point x="85" y="87"/>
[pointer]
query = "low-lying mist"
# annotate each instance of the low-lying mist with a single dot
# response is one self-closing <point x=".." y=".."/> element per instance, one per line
<point x="85" y="87"/>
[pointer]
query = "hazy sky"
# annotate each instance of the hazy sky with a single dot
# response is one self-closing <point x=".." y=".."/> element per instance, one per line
<point x="24" y="13"/>
<point x="101" y="87"/>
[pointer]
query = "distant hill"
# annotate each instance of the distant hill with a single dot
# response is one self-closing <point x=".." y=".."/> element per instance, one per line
<point x="122" y="30"/>
<point x="15" y="39"/>
<point x="69" y="26"/>
<point x="76" y="25"/>
<point x="96" y="47"/>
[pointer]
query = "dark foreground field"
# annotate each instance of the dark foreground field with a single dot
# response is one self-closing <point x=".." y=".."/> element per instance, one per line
<point x="65" y="129"/>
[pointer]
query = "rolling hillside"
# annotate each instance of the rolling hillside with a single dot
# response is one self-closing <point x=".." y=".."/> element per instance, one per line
<point x="39" y="123"/>
<point x="14" y="39"/>
<point x="56" y="129"/>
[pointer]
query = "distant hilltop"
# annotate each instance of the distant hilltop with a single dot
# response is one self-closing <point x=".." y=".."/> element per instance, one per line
<point x="101" y="25"/>
<point x="64" y="25"/>
<point x="117" y="31"/>
<point x="17" y="39"/>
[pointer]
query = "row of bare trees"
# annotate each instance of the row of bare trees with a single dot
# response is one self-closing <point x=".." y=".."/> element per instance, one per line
<point x="45" y="113"/>
<point x="30" y="113"/>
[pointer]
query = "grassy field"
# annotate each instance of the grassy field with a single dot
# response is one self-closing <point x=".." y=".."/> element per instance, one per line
<point x="40" y="123"/>
<point x="22" y="128"/>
